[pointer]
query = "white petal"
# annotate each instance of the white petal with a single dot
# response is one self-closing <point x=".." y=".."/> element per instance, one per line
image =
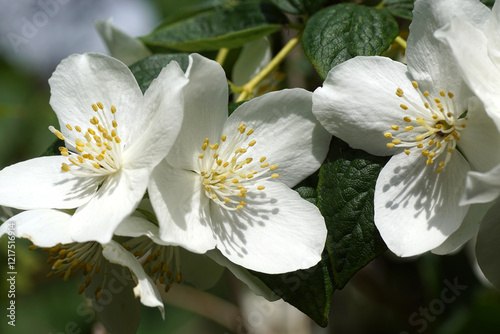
<point x="205" y="103"/>
<point x="429" y="61"/>
<point x="145" y="289"/>
<point x="117" y="308"/>
<point x="117" y="198"/>
<point x="44" y="228"/>
<point x="358" y="102"/>
<point x="158" y="123"/>
<point x="286" y="132"/>
<point x="469" y="46"/>
<point x="487" y="245"/>
<point x="416" y="209"/>
<point x="467" y="230"/>
<point x="81" y="80"/>
<point x="276" y="232"/>
<point x="482" y="187"/>
<point x="492" y="34"/>
<point x="181" y="208"/>
<point x="256" y="285"/>
<point x="136" y="226"/>
<point x="253" y="57"/>
<point x="40" y="183"/>
<point x="480" y="140"/>
<point x="120" y="45"/>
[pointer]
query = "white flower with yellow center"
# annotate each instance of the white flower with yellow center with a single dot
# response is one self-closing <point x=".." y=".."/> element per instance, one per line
<point x="106" y="269"/>
<point x="423" y="115"/>
<point x="477" y="52"/>
<point x="114" y="136"/>
<point x="226" y="182"/>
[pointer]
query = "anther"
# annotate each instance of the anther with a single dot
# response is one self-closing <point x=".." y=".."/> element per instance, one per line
<point x="56" y="132"/>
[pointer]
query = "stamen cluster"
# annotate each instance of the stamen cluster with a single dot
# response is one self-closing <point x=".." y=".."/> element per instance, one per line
<point x="437" y="129"/>
<point x="162" y="263"/>
<point x="98" y="149"/>
<point x="67" y="259"/>
<point x="227" y="174"/>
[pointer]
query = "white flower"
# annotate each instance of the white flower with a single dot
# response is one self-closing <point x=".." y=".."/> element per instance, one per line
<point x="477" y="52"/>
<point x="219" y="185"/>
<point x="424" y="115"/>
<point x="103" y="278"/>
<point x="114" y="137"/>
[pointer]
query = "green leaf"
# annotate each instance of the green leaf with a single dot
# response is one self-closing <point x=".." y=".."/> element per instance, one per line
<point x="400" y="8"/>
<point x="308" y="193"/>
<point x="340" y="32"/>
<point x="190" y="11"/>
<point x="227" y="26"/>
<point x="344" y="196"/>
<point x="298" y="7"/>
<point x="146" y="70"/>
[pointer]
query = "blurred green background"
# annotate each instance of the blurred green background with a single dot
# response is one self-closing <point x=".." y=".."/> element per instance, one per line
<point x="390" y="295"/>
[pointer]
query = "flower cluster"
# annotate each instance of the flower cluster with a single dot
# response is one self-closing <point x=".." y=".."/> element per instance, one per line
<point x="438" y="118"/>
<point x="167" y="172"/>
<point x="160" y="186"/>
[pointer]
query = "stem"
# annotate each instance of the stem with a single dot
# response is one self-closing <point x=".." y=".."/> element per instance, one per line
<point x="401" y="42"/>
<point x="250" y="86"/>
<point x="221" y="56"/>
<point x="234" y="88"/>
